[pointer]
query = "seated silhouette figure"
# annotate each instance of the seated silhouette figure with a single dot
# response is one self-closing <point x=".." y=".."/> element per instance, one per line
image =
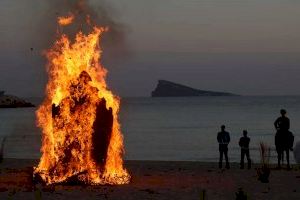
<point x="284" y="139"/>
<point x="223" y="140"/>
<point x="244" y="144"/>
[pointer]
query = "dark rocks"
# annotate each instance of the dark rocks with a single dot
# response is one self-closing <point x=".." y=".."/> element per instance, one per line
<point x="9" y="101"/>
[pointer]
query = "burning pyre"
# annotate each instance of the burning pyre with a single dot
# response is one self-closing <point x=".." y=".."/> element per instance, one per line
<point x="82" y="140"/>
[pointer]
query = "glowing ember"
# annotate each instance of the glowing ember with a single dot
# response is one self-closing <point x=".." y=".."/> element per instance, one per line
<point x="79" y="117"/>
<point x="64" y="21"/>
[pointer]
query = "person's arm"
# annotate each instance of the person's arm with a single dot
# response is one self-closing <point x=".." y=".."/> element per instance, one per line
<point x="240" y="142"/>
<point x="218" y="138"/>
<point x="288" y="123"/>
<point x="276" y="123"/>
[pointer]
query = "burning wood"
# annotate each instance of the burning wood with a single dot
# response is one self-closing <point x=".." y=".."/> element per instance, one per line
<point x="82" y="140"/>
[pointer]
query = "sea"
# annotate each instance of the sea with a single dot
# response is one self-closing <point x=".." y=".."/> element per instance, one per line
<point x="172" y="128"/>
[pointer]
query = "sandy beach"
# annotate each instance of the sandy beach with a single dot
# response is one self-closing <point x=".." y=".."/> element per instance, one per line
<point x="157" y="180"/>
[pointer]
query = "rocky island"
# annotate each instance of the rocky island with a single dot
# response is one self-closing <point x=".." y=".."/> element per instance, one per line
<point x="10" y="101"/>
<point x="169" y="89"/>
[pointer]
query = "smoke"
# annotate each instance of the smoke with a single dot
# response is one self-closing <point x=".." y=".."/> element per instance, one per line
<point x="99" y="12"/>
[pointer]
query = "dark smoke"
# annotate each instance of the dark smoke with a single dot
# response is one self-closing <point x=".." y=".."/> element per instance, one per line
<point x="101" y="14"/>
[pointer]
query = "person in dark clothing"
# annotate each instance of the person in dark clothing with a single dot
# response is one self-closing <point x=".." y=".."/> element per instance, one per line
<point x="244" y="144"/>
<point x="282" y="126"/>
<point x="223" y="140"/>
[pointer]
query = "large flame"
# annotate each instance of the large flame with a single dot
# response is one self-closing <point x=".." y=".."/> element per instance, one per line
<point x="70" y="120"/>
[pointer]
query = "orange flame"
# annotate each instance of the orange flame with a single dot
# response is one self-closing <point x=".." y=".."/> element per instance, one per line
<point x="65" y="20"/>
<point x="76" y="87"/>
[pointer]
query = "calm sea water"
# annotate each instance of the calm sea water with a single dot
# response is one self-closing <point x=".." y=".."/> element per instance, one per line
<point x="171" y="128"/>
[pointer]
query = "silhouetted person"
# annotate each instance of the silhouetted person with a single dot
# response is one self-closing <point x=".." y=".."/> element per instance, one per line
<point x="2" y="149"/>
<point x="282" y="137"/>
<point x="244" y="144"/>
<point x="223" y="139"/>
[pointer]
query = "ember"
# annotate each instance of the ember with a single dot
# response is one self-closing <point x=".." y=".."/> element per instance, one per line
<point x="64" y="21"/>
<point x="82" y="140"/>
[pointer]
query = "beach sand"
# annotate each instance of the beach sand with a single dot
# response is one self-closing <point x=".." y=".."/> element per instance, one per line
<point x="157" y="180"/>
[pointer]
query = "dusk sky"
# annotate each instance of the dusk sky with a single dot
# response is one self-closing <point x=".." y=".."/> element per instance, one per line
<point x="249" y="47"/>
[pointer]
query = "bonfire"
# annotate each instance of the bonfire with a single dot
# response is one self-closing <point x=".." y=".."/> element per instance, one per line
<point x="82" y="140"/>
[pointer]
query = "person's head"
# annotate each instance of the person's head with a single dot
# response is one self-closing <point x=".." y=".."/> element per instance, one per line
<point x="245" y="133"/>
<point x="223" y="127"/>
<point x="283" y="112"/>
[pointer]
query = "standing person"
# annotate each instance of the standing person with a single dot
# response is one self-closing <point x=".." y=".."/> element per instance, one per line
<point x="244" y="144"/>
<point x="282" y="126"/>
<point x="223" y="140"/>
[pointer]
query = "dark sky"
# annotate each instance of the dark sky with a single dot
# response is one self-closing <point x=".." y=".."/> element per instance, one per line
<point x="249" y="47"/>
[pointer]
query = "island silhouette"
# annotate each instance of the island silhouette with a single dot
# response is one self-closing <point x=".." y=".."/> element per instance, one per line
<point x="166" y="88"/>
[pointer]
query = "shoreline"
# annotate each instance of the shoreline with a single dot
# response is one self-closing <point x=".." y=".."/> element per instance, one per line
<point x="157" y="180"/>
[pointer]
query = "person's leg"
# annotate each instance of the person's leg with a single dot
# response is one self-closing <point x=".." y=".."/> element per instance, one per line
<point x="278" y="156"/>
<point x="242" y="158"/>
<point x="248" y="158"/>
<point x="288" y="158"/>
<point x="220" y="159"/>
<point x="226" y="157"/>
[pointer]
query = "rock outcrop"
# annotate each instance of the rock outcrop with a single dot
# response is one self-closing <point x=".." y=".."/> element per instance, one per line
<point x="10" y="101"/>
<point x="170" y="89"/>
